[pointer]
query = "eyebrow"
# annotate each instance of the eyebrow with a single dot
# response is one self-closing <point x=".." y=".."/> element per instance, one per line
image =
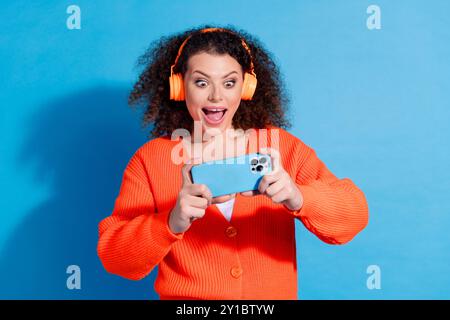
<point x="208" y="76"/>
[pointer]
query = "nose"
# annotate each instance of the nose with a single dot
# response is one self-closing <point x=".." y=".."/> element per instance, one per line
<point x="215" y="93"/>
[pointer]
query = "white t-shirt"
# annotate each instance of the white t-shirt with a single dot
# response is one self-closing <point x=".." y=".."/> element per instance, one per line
<point x="226" y="208"/>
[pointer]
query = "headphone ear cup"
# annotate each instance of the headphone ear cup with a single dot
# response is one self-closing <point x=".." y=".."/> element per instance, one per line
<point x="176" y="87"/>
<point x="249" y="86"/>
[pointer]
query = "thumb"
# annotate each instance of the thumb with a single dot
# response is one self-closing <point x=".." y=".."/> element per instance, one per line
<point x="186" y="174"/>
<point x="186" y="170"/>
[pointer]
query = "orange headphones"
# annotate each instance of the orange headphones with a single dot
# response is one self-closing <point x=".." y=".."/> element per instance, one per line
<point x="176" y="80"/>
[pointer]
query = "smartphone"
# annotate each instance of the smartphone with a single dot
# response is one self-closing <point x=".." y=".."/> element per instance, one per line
<point x="232" y="175"/>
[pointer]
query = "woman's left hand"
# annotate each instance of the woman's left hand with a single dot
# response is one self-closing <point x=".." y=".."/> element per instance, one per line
<point x="278" y="184"/>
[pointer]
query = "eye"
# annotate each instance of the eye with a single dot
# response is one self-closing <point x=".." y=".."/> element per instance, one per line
<point x="230" y="83"/>
<point x="200" y="83"/>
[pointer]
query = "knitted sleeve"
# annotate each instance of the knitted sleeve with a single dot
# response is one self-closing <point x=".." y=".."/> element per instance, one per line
<point x="335" y="210"/>
<point x="135" y="238"/>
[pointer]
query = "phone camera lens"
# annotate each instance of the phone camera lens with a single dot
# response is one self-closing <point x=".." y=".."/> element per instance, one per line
<point x="259" y="168"/>
<point x="254" y="162"/>
<point x="262" y="160"/>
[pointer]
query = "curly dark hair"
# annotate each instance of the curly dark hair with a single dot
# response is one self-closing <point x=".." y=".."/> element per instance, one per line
<point x="269" y="103"/>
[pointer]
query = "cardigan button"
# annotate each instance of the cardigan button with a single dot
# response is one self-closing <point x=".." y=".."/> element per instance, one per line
<point x="236" y="272"/>
<point x="231" y="232"/>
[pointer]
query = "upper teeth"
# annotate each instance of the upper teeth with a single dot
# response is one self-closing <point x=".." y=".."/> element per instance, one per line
<point x="215" y="110"/>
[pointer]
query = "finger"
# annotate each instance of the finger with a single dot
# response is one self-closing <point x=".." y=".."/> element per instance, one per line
<point x="195" y="213"/>
<point x="279" y="196"/>
<point x="198" y="202"/>
<point x="275" y="157"/>
<point x="186" y="170"/>
<point x="250" y="193"/>
<point x="275" y="187"/>
<point x="266" y="181"/>
<point x="200" y="190"/>
<point x="224" y="198"/>
<point x="186" y="174"/>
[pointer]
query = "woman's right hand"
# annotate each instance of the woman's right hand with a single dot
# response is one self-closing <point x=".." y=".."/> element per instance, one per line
<point x="192" y="201"/>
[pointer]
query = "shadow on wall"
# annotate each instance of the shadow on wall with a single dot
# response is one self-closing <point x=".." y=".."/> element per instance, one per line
<point x="80" y="144"/>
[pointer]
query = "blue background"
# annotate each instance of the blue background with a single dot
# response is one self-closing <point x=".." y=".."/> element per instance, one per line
<point x="374" y="104"/>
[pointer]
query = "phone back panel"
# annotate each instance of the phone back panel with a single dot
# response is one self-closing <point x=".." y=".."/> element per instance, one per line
<point x="232" y="175"/>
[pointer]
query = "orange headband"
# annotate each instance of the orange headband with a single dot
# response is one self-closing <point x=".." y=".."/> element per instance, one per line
<point x="210" y="30"/>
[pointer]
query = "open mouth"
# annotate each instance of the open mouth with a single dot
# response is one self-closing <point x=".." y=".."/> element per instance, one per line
<point x="214" y="115"/>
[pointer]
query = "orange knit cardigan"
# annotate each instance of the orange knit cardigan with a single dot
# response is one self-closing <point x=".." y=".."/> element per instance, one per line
<point x="251" y="257"/>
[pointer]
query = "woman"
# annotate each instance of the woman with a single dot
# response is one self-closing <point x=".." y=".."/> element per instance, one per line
<point x="222" y="83"/>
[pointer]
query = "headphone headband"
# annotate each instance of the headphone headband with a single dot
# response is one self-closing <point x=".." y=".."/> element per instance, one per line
<point x="244" y="44"/>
